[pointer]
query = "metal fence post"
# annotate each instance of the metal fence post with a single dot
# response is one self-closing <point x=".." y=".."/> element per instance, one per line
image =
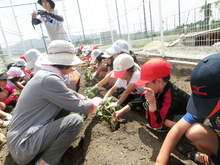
<point x="161" y="29"/>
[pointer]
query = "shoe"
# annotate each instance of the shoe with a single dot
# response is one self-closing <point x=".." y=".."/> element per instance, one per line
<point x="185" y="146"/>
<point x="199" y="158"/>
<point x="163" y="128"/>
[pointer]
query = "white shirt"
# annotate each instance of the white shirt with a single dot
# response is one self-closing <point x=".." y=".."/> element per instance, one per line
<point x="121" y="83"/>
<point x="55" y="29"/>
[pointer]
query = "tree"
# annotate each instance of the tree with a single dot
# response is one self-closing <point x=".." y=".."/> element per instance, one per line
<point x="207" y="14"/>
<point x="217" y="3"/>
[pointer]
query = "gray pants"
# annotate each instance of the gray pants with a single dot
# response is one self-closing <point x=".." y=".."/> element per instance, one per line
<point x="58" y="136"/>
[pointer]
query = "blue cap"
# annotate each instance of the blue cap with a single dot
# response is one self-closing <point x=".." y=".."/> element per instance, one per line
<point x="205" y="80"/>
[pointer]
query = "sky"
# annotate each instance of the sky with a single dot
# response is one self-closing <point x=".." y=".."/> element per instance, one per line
<point x="95" y="15"/>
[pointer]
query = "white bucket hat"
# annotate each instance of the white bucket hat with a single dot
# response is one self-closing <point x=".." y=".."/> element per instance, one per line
<point x="31" y="57"/>
<point x="61" y="52"/>
<point x="20" y="62"/>
<point x="95" y="53"/>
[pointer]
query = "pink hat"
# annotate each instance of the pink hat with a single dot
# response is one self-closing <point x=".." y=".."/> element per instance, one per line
<point x="15" y="72"/>
<point x="121" y="64"/>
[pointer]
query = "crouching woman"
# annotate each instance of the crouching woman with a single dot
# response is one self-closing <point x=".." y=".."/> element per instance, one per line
<point x="33" y="129"/>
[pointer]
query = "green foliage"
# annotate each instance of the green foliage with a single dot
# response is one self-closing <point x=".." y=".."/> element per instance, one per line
<point x="88" y="74"/>
<point x="89" y="93"/>
<point x="17" y="93"/>
<point x="138" y="45"/>
<point x="207" y="13"/>
<point x="106" y="112"/>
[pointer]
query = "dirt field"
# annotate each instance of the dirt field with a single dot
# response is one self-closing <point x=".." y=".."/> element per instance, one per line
<point x="133" y="143"/>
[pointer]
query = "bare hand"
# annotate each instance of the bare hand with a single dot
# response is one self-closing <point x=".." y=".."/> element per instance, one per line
<point x="34" y="14"/>
<point x="149" y="95"/>
<point x="117" y="114"/>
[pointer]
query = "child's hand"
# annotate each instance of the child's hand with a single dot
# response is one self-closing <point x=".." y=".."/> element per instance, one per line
<point x="26" y="78"/>
<point x="149" y="95"/>
<point x="117" y="114"/>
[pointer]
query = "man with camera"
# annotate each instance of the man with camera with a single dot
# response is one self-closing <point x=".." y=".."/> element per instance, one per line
<point x="51" y="19"/>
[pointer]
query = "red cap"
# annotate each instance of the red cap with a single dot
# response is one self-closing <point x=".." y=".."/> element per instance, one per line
<point x="22" y="57"/>
<point x="95" y="47"/>
<point x="81" y="47"/>
<point x="153" y="69"/>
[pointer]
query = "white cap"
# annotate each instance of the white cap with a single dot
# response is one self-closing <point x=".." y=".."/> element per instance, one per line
<point x="120" y="46"/>
<point x="15" y="72"/>
<point x="86" y="52"/>
<point x="20" y="62"/>
<point x="109" y="52"/>
<point x="31" y="57"/>
<point x="121" y="64"/>
<point x="85" y="48"/>
<point x="94" y="54"/>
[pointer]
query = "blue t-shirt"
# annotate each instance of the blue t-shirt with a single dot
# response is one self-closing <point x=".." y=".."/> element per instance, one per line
<point x="215" y="121"/>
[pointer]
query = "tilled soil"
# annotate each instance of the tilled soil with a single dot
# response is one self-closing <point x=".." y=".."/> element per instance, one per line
<point x="133" y="143"/>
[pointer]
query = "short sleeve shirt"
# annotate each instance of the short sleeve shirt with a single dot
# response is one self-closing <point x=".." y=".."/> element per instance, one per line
<point x="120" y="83"/>
<point x="214" y="121"/>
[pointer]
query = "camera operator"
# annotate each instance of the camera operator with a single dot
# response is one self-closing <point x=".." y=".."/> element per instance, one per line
<point x="51" y="19"/>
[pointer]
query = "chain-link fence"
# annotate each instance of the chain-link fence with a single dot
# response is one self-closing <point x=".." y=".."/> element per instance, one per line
<point x="185" y="23"/>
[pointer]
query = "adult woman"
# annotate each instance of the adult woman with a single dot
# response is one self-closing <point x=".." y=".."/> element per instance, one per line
<point x="41" y="100"/>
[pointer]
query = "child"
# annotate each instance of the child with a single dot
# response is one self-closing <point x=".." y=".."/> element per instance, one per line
<point x="8" y="92"/>
<point x="118" y="47"/>
<point x="33" y="129"/>
<point x="87" y="55"/>
<point x="204" y="104"/>
<point x="163" y="102"/>
<point x="32" y="57"/>
<point x="87" y="52"/>
<point x="5" y="98"/>
<point x="98" y="63"/>
<point x="17" y="75"/>
<point x="126" y="74"/>
<point x="21" y="63"/>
